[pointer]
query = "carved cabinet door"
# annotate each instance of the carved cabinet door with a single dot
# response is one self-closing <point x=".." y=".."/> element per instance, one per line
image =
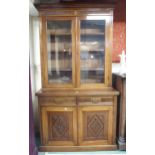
<point x="95" y="124"/>
<point x="59" y="126"/>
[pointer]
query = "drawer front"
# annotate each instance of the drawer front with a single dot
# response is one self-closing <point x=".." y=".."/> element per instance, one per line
<point x="95" y="100"/>
<point x="57" y="101"/>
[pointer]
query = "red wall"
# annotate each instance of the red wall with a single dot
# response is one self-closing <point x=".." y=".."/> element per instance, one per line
<point x="119" y="31"/>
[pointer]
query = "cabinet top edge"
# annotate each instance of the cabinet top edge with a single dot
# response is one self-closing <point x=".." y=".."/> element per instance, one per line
<point x="44" y="6"/>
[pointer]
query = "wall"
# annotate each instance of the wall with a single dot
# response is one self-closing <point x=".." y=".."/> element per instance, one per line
<point x="119" y="30"/>
<point x="35" y="69"/>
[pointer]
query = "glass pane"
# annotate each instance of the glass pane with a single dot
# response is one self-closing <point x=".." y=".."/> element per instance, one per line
<point x="92" y="50"/>
<point x="59" y="51"/>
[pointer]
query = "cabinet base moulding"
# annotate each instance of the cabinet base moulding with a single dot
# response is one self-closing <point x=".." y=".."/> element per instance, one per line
<point x="77" y="148"/>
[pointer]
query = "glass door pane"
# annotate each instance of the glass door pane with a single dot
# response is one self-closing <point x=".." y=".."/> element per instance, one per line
<point x="92" y="51"/>
<point x="59" y="48"/>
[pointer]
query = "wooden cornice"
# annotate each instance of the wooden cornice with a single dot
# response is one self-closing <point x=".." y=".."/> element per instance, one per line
<point x="73" y="5"/>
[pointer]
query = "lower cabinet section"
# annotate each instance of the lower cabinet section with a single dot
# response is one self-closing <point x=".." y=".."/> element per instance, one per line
<point x="74" y="124"/>
<point x="59" y="126"/>
<point x="95" y="125"/>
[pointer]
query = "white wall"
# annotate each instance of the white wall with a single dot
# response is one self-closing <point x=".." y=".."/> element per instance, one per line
<point x="35" y="69"/>
<point x="116" y="67"/>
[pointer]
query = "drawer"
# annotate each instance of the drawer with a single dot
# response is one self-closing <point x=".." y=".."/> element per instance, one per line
<point x="95" y="100"/>
<point x="57" y="101"/>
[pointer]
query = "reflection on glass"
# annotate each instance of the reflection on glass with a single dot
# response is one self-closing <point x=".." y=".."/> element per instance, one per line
<point x="92" y="40"/>
<point x="59" y="51"/>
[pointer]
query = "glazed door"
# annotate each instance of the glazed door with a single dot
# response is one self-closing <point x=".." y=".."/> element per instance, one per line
<point x="93" y="51"/>
<point x="59" y="126"/>
<point x="95" y="124"/>
<point x="58" y="52"/>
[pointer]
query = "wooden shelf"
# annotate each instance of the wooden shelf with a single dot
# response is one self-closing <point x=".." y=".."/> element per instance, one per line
<point x="83" y="51"/>
<point x="60" y="81"/>
<point x="83" y="32"/>
<point x="58" y="32"/>
<point x="92" y="69"/>
<point x="61" y="70"/>
<point x="82" y="69"/>
<point x="62" y="46"/>
<point x="91" y="80"/>
<point x="94" y="51"/>
<point x="91" y="32"/>
<point x="62" y="52"/>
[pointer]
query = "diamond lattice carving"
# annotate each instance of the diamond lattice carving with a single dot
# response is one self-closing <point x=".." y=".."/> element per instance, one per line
<point x="59" y="126"/>
<point x="95" y="125"/>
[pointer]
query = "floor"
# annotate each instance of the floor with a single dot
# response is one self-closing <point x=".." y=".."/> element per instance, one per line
<point x="82" y="153"/>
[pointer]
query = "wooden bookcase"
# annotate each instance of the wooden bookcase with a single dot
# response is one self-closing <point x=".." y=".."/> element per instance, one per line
<point x="77" y="104"/>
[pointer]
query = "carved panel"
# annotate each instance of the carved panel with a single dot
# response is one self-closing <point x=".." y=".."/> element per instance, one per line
<point x="60" y="126"/>
<point x="95" y="125"/>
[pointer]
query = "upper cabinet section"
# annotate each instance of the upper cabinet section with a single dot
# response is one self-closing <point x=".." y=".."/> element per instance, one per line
<point x="76" y="46"/>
